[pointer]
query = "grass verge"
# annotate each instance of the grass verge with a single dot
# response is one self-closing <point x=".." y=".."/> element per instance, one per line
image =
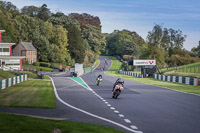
<point x="24" y="124"/>
<point x="31" y="93"/>
<point x="97" y="63"/>
<point x="5" y="74"/>
<point x="173" y="73"/>
<point x="181" y="87"/>
<point x="190" y="68"/>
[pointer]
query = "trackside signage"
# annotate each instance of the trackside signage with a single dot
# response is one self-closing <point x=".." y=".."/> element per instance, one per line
<point x="144" y="62"/>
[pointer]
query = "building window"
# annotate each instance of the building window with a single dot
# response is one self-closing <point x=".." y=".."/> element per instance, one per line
<point x="1" y="49"/>
<point x="6" y="50"/>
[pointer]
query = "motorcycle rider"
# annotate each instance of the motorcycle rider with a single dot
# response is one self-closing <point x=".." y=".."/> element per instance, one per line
<point x="99" y="76"/>
<point x="118" y="81"/>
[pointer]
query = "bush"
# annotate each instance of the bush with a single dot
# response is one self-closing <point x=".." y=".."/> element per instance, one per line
<point x="36" y="63"/>
<point x="44" y="64"/>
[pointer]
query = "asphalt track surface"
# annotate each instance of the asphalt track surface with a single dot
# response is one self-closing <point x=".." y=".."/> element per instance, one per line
<point x="140" y="107"/>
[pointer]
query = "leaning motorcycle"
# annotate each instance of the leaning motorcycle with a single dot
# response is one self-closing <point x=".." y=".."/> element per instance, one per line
<point x="117" y="91"/>
<point x="98" y="81"/>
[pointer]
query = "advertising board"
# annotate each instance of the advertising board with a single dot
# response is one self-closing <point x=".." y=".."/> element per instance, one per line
<point x="144" y="62"/>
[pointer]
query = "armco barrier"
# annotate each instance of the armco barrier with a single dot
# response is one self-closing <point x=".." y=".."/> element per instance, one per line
<point x="178" y="79"/>
<point x="12" y="81"/>
<point x="130" y="74"/>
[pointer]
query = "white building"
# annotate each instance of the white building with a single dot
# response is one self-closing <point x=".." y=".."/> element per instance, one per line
<point x="7" y="61"/>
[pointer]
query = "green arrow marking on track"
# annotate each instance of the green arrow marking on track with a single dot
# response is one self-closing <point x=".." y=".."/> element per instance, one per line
<point x="80" y="81"/>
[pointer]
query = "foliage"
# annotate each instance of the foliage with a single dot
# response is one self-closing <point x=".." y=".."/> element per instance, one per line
<point x="95" y="42"/>
<point x="77" y="48"/>
<point x="36" y="63"/>
<point x="39" y="68"/>
<point x="163" y="43"/>
<point x="121" y="43"/>
<point x="44" y="64"/>
<point x="41" y="12"/>
<point x="6" y="23"/>
<point x="30" y="10"/>
<point x="196" y="51"/>
<point x="179" y="60"/>
<point x="76" y="43"/>
<point x="57" y="37"/>
<point x="84" y="19"/>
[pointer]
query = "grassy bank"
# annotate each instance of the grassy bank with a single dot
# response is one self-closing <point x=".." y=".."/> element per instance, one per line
<point x="38" y="68"/>
<point x="89" y="69"/>
<point x="190" y="68"/>
<point x="181" y="87"/>
<point x="173" y="73"/>
<point x="23" y="124"/>
<point x="31" y="93"/>
<point x="5" y="74"/>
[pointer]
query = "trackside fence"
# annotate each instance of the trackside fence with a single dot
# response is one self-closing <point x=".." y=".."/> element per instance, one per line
<point x="130" y="73"/>
<point x="177" y="79"/>
<point x="12" y="81"/>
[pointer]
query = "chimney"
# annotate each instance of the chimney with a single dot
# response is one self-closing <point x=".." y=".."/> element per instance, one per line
<point x="20" y="39"/>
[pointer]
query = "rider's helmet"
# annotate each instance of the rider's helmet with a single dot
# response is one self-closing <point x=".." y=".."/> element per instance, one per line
<point x="119" y="80"/>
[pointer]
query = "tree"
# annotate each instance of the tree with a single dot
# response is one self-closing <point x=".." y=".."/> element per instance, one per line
<point x="44" y="13"/>
<point x="167" y="41"/>
<point x="30" y="10"/>
<point x="6" y="23"/>
<point x="61" y="53"/>
<point x="94" y="37"/>
<point x="76" y="42"/>
<point x="10" y="7"/>
<point x="121" y="43"/>
<point x="196" y="50"/>
<point x="76" y="45"/>
<point x="84" y="19"/>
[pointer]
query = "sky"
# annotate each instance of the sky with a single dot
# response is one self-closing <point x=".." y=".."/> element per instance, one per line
<point x="133" y="15"/>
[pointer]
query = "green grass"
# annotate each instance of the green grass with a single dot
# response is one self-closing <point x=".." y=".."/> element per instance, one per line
<point x="181" y="87"/>
<point x="30" y="74"/>
<point x="38" y="68"/>
<point x="116" y="65"/>
<point x="190" y="68"/>
<point x="173" y="73"/>
<point x="10" y="123"/>
<point x="97" y="63"/>
<point x="5" y="74"/>
<point x="31" y="93"/>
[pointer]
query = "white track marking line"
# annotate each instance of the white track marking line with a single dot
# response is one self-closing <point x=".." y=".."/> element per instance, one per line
<point x="120" y="115"/>
<point x="108" y="105"/>
<point x="90" y="114"/>
<point x="112" y="108"/>
<point x="116" y="111"/>
<point x="106" y="102"/>
<point x="133" y="127"/>
<point x="127" y="120"/>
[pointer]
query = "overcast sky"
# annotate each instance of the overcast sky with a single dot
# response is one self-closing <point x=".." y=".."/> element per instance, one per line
<point x="134" y="15"/>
